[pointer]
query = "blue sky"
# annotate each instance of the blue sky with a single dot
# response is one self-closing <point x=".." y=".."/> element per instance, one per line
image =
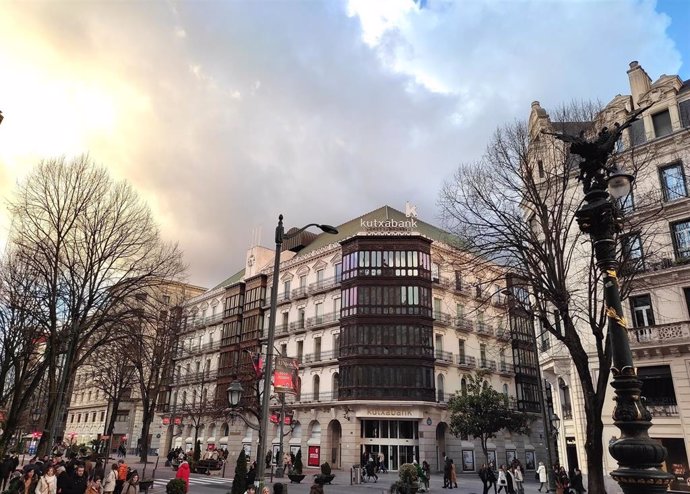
<point x="224" y="114"/>
<point x="679" y="29"/>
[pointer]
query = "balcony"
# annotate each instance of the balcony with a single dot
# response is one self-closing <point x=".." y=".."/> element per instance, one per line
<point x="506" y="368"/>
<point x="662" y="407"/>
<point x="281" y="329"/>
<point x="297" y="325"/>
<point x="206" y="321"/>
<point x="503" y="334"/>
<point x="318" y="357"/>
<point x="323" y="396"/>
<point x="442" y="319"/>
<point x="194" y="377"/>
<point x="567" y="412"/>
<point x="660" y="335"/>
<point x="323" y="320"/>
<point x="489" y="365"/>
<point x="280" y="299"/>
<point x="485" y="329"/>
<point x="463" y="324"/>
<point x="324" y="285"/>
<point x="498" y="300"/>
<point x="443" y="357"/>
<point x="465" y="361"/>
<point x="300" y="292"/>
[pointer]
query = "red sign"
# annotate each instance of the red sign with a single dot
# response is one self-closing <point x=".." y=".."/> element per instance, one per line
<point x="178" y="420"/>
<point x="166" y="420"/>
<point x="274" y="418"/>
<point x="287" y="420"/>
<point x="285" y="375"/>
<point x="314" y="456"/>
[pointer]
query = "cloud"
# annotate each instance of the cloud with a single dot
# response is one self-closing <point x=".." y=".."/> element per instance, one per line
<point x="225" y="114"/>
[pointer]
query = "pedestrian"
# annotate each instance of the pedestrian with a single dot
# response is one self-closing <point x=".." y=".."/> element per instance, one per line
<point x="95" y="486"/>
<point x="576" y="481"/>
<point x="183" y="473"/>
<point x="29" y="482"/>
<point x="5" y="470"/>
<point x="453" y="480"/>
<point x="15" y="484"/>
<point x="131" y="486"/>
<point x="426" y="468"/>
<point x="78" y="482"/>
<point x="47" y="484"/>
<point x="484" y="477"/>
<point x="502" y="480"/>
<point x="251" y="474"/>
<point x="110" y="480"/>
<point x="510" y="481"/>
<point x="251" y="489"/>
<point x="541" y="472"/>
<point x="278" y="488"/>
<point x="121" y="476"/>
<point x="316" y="489"/>
<point x="519" y="479"/>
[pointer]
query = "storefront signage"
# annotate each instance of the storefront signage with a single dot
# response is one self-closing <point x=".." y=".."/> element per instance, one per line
<point x="314" y="456"/>
<point x="390" y="412"/>
<point x="388" y="225"/>
<point x="285" y="375"/>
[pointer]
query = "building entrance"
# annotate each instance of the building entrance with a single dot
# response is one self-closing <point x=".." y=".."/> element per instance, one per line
<point x="398" y="440"/>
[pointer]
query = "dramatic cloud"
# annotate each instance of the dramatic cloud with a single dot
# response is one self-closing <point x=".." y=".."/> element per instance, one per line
<point x="225" y="114"/>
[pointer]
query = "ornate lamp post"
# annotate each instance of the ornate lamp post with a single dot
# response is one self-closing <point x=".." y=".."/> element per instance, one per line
<point x="280" y="237"/>
<point x="639" y="457"/>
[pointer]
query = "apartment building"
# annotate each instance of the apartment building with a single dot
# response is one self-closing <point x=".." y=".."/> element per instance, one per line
<point x="384" y="328"/>
<point x="656" y="248"/>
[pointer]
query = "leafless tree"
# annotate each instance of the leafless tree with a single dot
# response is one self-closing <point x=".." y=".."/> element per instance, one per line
<point x="22" y="366"/>
<point x="515" y="208"/>
<point x="91" y="243"/>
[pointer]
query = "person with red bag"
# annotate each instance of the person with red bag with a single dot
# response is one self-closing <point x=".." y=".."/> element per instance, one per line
<point x="183" y="473"/>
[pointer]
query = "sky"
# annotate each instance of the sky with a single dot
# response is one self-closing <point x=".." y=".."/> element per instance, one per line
<point x="224" y="114"/>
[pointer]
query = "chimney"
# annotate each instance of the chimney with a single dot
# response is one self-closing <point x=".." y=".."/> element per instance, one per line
<point x="640" y="82"/>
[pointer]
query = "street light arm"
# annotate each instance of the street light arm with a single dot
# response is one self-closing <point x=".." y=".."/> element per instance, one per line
<point x="238" y="413"/>
<point x="288" y="236"/>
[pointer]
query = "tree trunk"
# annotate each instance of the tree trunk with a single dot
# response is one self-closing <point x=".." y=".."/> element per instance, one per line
<point x="144" y="441"/>
<point x="113" y="417"/>
<point x="595" y="451"/>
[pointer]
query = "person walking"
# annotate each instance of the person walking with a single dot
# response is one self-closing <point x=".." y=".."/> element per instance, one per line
<point x="502" y="480"/>
<point x="78" y="482"/>
<point x="131" y="486"/>
<point x="519" y="479"/>
<point x="543" y="480"/>
<point x="5" y="470"/>
<point x="29" y="482"/>
<point x="110" y="480"/>
<point x="122" y="470"/>
<point x="47" y="484"/>
<point x="182" y="473"/>
<point x="576" y="481"/>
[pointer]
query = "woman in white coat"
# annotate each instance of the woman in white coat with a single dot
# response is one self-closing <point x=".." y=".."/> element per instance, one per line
<point x="541" y="471"/>
<point x="48" y="483"/>
<point x="110" y="480"/>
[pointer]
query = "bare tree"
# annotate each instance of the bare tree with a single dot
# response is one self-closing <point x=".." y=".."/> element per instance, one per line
<point x="515" y="208"/>
<point x="201" y="408"/>
<point x="155" y="329"/>
<point x="22" y="366"/>
<point x="92" y="243"/>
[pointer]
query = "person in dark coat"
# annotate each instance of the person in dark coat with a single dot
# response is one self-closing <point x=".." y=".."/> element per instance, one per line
<point x="576" y="481"/>
<point x="251" y="474"/>
<point x="5" y="470"/>
<point x="78" y="482"/>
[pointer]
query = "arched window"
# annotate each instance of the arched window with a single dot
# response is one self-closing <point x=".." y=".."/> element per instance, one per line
<point x="316" y="388"/>
<point x="440" y="388"/>
<point x="336" y="385"/>
<point x="184" y="398"/>
<point x="505" y="390"/>
<point x="226" y="430"/>
<point x="566" y="407"/>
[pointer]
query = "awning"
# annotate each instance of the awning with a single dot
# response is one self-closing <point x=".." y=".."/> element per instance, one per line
<point x="189" y="440"/>
<point x="211" y="440"/>
<point x="223" y="440"/>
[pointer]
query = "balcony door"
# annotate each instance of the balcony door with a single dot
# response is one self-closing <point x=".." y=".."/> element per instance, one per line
<point x="642" y="312"/>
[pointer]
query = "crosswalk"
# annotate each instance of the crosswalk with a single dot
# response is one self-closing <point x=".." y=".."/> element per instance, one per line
<point x="198" y="480"/>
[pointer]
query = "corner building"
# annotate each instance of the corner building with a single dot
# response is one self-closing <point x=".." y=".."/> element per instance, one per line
<point x="386" y="330"/>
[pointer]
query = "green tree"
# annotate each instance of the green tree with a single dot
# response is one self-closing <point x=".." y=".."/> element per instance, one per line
<point x="239" y="483"/>
<point x="197" y="451"/>
<point x="297" y="466"/>
<point x="482" y="411"/>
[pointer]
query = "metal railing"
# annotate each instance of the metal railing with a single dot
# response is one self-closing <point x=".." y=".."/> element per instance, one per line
<point x="196" y="377"/>
<point x="323" y="356"/>
<point x="300" y="292"/>
<point x="503" y="334"/>
<point x="205" y="321"/>
<point x="506" y="368"/>
<point x="487" y="364"/>
<point x="324" y="285"/>
<point x="328" y="318"/>
<point x="299" y="324"/>
<point x="484" y="328"/>
<point x="442" y="318"/>
<point x="463" y="324"/>
<point x="466" y="361"/>
<point x="443" y="357"/>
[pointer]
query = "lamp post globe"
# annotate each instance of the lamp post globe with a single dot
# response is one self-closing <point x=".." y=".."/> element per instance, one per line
<point x="618" y="183"/>
<point x="235" y="391"/>
<point x="555" y="422"/>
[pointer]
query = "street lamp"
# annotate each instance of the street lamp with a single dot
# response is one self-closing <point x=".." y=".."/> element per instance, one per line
<point x="638" y="456"/>
<point x="235" y="391"/>
<point x="280" y="237"/>
<point x="555" y="424"/>
<point x="36" y="416"/>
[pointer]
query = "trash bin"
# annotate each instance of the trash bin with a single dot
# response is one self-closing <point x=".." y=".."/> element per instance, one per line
<point x="356" y="475"/>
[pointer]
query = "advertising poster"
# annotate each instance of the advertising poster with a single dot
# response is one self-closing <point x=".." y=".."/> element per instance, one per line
<point x="530" y="462"/>
<point x="285" y="375"/>
<point x="467" y="460"/>
<point x="492" y="456"/>
<point x="510" y="456"/>
<point x="314" y="456"/>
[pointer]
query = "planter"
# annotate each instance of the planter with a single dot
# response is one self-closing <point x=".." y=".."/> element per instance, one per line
<point x="145" y="485"/>
<point x="323" y="479"/>
<point x="296" y="478"/>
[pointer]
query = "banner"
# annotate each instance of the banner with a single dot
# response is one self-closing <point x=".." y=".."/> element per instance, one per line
<point x="314" y="456"/>
<point x="258" y="364"/>
<point x="285" y="376"/>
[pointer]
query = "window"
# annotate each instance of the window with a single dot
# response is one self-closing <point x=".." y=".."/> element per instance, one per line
<point x="540" y="167"/>
<point x="681" y="239"/>
<point x="459" y="311"/>
<point x="102" y="416"/>
<point x="662" y="124"/>
<point x="437" y="308"/>
<point x="317" y="349"/>
<point x="632" y="252"/>
<point x="78" y="418"/>
<point x="300" y="317"/>
<point x="435" y="272"/>
<point x="626" y="203"/>
<point x="71" y="419"/>
<point x="303" y="281"/>
<point x="461" y="350"/>
<point x="505" y="390"/>
<point x="438" y="342"/>
<point x="336" y="344"/>
<point x="482" y="354"/>
<point x="439" y="389"/>
<point x="318" y="312"/>
<point x="166" y="299"/>
<point x="642" y="312"/>
<point x="300" y="350"/>
<point x="458" y="281"/>
<point x="286" y="318"/>
<point x="673" y="182"/>
<point x="637" y="133"/>
<point x="338" y="272"/>
<point x="316" y="388"/>
<point x="684" y="110"/>
<point x="283" y="349"/>
<point x="286" y="288"/>
<point x="319" y="276"/>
